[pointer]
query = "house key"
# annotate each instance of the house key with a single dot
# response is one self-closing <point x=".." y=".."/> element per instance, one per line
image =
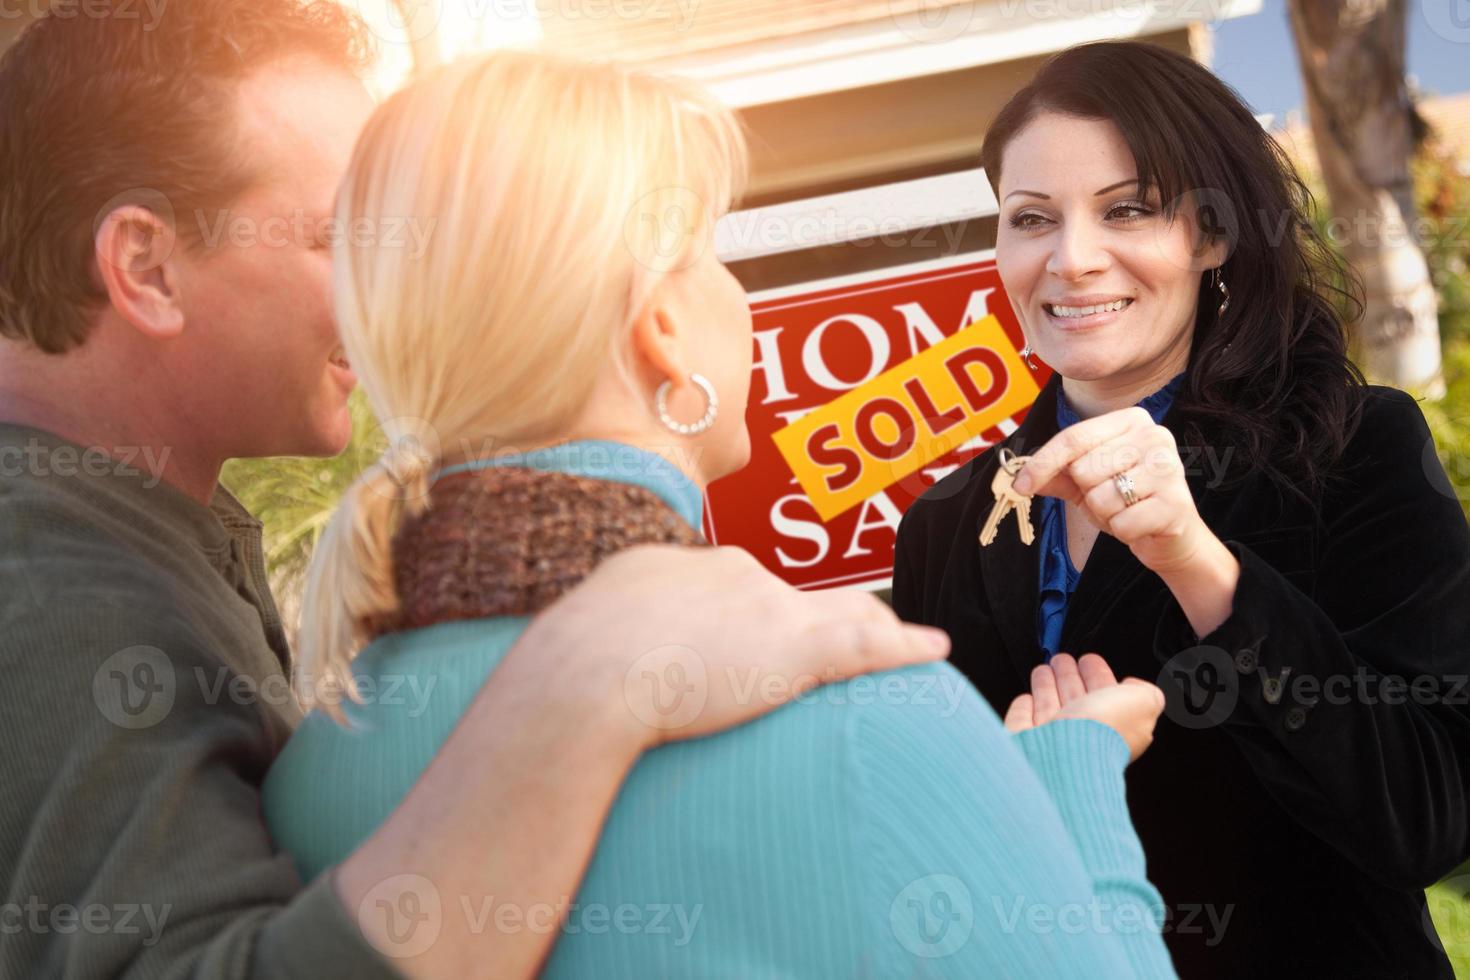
<point x="1007" y="499"/>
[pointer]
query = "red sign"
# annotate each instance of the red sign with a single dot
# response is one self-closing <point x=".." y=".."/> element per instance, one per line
<point x="827" y="342"/>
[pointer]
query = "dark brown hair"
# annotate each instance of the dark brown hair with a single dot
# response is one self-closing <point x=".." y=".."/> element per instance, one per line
<point x="1285" y="394"/>
<point x="103" y="104"/>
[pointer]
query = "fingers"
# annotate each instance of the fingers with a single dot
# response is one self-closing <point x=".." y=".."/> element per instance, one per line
<point x="1069" y="682"/>
<point x="1044" y="693"/>
<point x="1021" y="715"/>
<point x="1095" y="672"/>
<point x="1117" y="455"/>
<point x="1075" y="441"/>
<point x="851" y="633"/>
<point x="1154" y="688"/>
<point x="1104" y="501"/>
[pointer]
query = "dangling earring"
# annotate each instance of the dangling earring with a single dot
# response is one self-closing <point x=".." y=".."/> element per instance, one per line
<point x="1026" y="353"/>
<point x="1224" y="293"/>
<point x="661" y="400"/>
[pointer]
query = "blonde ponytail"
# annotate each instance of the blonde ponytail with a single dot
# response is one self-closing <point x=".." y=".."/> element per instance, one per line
<point x="349" y="585"/>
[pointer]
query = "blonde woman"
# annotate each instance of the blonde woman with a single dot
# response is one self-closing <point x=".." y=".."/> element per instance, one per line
<point x="561" y="373"/>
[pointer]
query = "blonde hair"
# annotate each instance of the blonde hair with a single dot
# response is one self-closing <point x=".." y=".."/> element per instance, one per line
<point x="557" y="194"/>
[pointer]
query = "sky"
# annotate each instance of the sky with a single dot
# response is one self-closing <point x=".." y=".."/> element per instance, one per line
<point x="1255" y="54"/>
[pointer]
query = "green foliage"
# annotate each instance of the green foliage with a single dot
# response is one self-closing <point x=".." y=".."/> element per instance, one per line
<point x="1449" y="905"/>
<point x="1442" y="195"/>
<point x="295" y="496"/>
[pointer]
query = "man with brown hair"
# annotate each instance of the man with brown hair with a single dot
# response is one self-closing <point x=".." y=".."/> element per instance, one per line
<point x="166" y="189"/>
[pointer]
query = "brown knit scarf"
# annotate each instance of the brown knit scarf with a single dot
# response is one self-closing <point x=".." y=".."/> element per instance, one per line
<point x="507" y="541"/>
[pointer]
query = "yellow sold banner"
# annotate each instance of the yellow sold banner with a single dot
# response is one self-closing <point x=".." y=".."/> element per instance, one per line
<point x="907" y="417"/>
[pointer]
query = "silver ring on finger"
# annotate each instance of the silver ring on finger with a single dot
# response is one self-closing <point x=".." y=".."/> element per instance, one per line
<point x="1126" y="490"/>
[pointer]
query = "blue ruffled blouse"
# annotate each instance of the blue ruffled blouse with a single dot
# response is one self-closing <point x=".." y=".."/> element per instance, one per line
<point x="1058" y="575"/>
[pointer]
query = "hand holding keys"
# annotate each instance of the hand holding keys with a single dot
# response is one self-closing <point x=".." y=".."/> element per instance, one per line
<point x="1007" y="499"/>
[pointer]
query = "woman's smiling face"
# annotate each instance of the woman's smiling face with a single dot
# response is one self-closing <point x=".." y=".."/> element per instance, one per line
<point x="1104" y="285"/>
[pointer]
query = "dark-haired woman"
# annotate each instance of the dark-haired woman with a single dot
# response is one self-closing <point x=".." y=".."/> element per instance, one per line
<point x="1222" y="503"/>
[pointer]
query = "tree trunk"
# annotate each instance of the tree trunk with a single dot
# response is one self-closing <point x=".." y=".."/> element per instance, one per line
<point x="1365" y="130"/>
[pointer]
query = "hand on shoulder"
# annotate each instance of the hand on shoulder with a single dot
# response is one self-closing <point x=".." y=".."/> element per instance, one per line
<point x="691" y="641"/>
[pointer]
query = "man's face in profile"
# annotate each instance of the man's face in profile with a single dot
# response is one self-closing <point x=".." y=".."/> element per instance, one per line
<point x="257" y="288"/>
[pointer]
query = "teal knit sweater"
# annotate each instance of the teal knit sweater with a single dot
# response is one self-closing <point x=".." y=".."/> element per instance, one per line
<point x="887" y="826"/>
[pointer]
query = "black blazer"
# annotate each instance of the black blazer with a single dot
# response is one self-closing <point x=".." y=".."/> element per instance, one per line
<point x="1294" y="804"/>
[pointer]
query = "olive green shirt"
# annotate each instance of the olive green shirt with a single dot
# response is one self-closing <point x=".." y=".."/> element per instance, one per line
<point x="143" y="695"/>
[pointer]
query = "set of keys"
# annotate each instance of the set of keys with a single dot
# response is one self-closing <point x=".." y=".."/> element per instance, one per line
<point x="1007" y="499"/>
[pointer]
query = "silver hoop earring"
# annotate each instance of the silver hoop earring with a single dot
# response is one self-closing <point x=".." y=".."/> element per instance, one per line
<point x="1224" y="293"/>
<point x="712" y="407"/>
<point x="1026" y="353"/>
